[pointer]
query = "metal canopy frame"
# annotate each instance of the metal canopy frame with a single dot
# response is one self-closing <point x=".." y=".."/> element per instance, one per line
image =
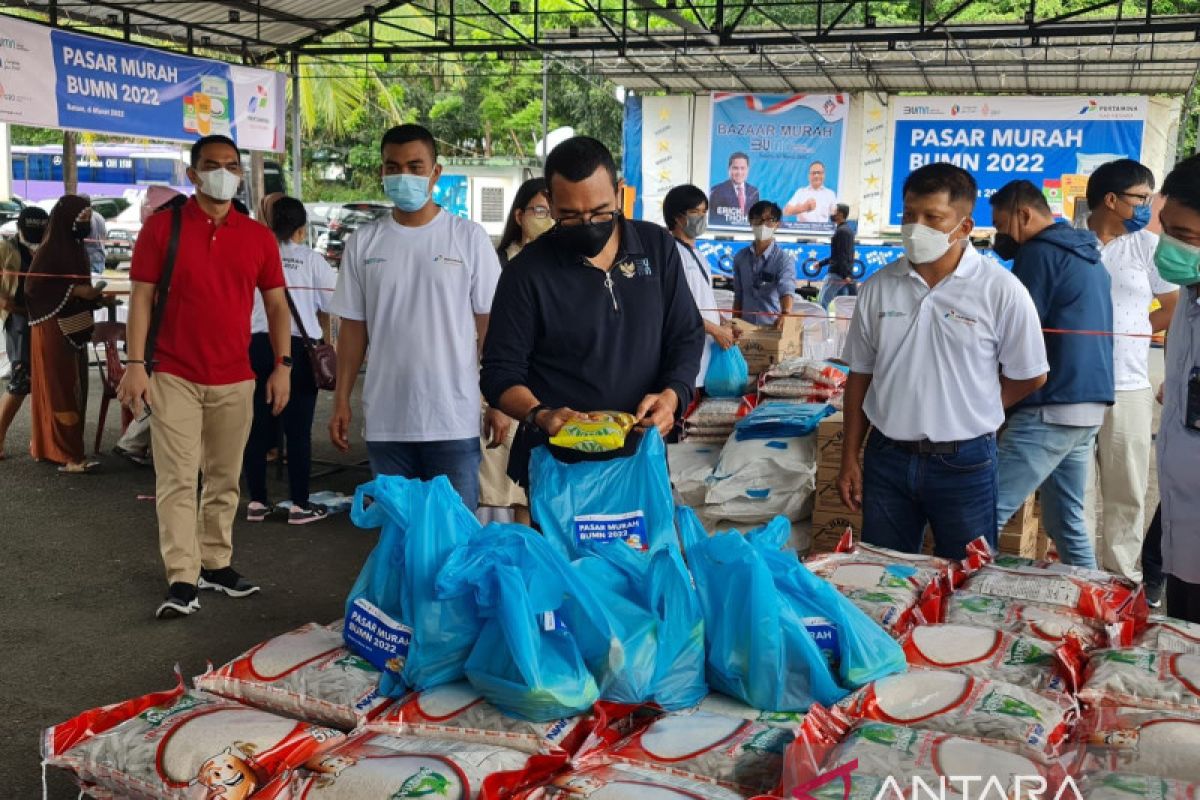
<point x="685" y="46"/>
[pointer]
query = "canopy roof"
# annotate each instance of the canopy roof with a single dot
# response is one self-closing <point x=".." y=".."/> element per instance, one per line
<point x="684" y="46"/>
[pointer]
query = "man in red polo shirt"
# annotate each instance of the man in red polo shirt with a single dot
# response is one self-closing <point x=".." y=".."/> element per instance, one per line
<point x="202" y="387"/>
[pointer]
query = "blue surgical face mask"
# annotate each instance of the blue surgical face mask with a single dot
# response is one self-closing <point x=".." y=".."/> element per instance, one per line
<point x="1139" y="220"/>
<point x="407" y="192"/>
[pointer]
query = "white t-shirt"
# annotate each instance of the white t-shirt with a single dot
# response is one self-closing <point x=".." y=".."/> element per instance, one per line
<point x="937" y="355"/>
<point x="310" y="281"/>
<point x="1129" y="260"/>
<point x="699" y="280"/>
<point x="418" y="290"/>
<point x="826" y="203"/>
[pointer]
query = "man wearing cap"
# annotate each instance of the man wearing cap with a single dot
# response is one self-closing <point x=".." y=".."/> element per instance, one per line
<point x="15" y="259"/>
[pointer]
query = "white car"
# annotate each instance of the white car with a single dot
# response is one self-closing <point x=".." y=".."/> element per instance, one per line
<point x="123" y="231"/>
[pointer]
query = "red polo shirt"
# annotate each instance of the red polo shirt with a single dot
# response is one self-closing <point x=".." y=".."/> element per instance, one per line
<point x="205" y="333"/>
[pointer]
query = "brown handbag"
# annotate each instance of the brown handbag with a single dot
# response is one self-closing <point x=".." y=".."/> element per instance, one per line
<point x="322" y="356"/>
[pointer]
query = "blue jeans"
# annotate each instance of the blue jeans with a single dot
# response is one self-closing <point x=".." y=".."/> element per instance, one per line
<point x="1035" y="453"/>
<point x="457" y="459"/>
<point x="954" y="494"/>
<point x="836" y="287"/>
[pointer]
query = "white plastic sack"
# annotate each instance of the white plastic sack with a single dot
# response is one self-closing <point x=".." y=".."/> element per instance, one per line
<point x="691" y="464"/>
<point x="757" y="479"/>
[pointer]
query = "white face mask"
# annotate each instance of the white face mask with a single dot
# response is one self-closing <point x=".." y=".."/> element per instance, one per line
<point x="923" y="244"/>
<point x="219" y="184"/>
<point x="763" y="233"/>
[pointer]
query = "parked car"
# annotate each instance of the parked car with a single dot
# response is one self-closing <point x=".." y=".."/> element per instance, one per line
<point x="343" y="219"/>
<point x="9" y="209"/>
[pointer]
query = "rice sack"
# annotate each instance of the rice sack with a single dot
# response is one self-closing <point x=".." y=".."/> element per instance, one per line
<point x="1051" y="624"/>
<point x="988" y="653"/>
<point x="1134" y="676"/>
<point x="1154" y="742"/>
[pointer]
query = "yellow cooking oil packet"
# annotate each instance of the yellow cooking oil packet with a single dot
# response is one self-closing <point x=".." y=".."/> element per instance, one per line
<point x="601" y="432"/>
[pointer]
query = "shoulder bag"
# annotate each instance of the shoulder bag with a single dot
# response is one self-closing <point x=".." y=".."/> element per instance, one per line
<point x="164" y="287"/>
<point x="322" y="356"/>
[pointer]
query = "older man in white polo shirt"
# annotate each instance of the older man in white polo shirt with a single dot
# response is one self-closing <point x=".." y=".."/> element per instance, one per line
<point x="941" y="343"/>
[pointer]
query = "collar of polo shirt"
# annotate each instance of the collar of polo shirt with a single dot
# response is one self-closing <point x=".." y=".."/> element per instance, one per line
<point x="968" y="265"/>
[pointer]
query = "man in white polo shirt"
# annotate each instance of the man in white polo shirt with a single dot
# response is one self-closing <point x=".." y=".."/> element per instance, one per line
<point x="941" y="343"/>
<point x="418" y="283"/>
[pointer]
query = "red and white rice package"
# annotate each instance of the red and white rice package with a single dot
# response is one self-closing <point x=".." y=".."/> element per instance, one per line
<point x="1095" y="595"/>
<point x="456" y="711"/>
<point x="1133" y="786"/>
<point x="800" y="389"/>
<point x="886" y="760"/>
<point x="712" y="748"/>
<point x="716" y="703"/>
<point x="948" y="702"/>
<point x="1053" y="625"/>
<point x="818" y="372"/>
<point x="989" y="653"/>
<point x="307" y="673"/>
<point x="1134" y="676"/>
<point x="182" y="745"/>
<point x="887" y="585"/>
<point x="1170" y="636"/>
<point x="627" y="782"/>
<point x="1151" y="742"/>
<point x="379" y="766"/>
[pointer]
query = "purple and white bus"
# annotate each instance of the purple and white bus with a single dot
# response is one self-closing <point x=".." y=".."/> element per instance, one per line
<point x="105" y="170"/>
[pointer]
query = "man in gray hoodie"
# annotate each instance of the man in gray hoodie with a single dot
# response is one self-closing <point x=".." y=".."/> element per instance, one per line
<point x="1051" y="433"/>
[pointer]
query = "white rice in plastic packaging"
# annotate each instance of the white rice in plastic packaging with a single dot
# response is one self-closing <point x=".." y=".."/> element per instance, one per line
<point x="1134" y="676"/>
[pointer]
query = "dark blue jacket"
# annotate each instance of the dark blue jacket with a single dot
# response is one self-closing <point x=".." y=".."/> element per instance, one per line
<point x="1061" y="268"/>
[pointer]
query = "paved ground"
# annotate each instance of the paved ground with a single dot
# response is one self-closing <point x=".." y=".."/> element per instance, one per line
<point x="80" y="577"/>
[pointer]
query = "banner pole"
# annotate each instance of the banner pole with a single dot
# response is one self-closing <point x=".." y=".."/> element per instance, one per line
<point x="297" y="169"/>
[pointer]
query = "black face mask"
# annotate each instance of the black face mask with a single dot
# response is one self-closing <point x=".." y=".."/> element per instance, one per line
<point x="82" y="229"/>
<point x="1005" y="246"/>
<point x="588" y="239"/>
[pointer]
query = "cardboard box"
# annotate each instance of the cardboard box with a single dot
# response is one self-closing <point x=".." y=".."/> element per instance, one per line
<point x="830" y="435"/>
<point x="827" y="529"/>
<point x="829" y="499"/>
<point x="763" y="346"/>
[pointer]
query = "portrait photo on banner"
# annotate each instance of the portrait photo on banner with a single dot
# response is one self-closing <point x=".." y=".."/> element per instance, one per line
<point x="787" y="149"/>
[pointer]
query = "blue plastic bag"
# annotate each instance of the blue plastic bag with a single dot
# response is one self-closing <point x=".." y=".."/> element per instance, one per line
<point x="594" y="503"/>
<point x="781" y="419"/>
<point x="647" y="604"/>
<point x="858" y="650"/>
<point x="758" y="649"/>
<point x="394" y="618"/>
<point x="527" y="661"/>
<point x="727" y="374"/>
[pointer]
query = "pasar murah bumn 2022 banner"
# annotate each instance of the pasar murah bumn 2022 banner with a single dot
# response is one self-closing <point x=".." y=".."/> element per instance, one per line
<point x="784" y="148"/>
<point x="1054" y="142"/>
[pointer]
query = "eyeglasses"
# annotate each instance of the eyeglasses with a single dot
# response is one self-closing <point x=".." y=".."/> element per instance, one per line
<point x="595" y="218"/>
<point x="540" y="212"/>
<point x="1142" y="199"/>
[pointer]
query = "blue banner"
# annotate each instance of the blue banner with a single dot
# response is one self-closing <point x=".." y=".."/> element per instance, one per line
<point x="1055" y="143"/>
<point x="631" y="145"/>
<point x="84" y="83"/>
<point x="783" y="148"/>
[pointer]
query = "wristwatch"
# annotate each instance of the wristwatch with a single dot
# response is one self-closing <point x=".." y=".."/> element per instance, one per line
<point x="284" y="361"/>
<point x="531" y="417"/>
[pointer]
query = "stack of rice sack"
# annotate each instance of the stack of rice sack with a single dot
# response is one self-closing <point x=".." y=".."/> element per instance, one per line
<point x="895" y="589"/>
<point x="1141" y="722"/>
<point x="805" y="380"/>
<point x="713" y="418"/>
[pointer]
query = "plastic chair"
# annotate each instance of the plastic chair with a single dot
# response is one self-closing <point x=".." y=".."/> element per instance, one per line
<point x="110" y="336"/>
<point x="818" y="333"/>
<point x="842" y="309"/>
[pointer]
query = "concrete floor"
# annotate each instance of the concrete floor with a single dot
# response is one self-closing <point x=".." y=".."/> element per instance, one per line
<point x="80" y="577"/>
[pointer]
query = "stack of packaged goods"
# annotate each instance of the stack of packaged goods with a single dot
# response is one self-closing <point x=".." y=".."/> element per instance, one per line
<point x="713" y="418"/>
<point x="805" y="380"/>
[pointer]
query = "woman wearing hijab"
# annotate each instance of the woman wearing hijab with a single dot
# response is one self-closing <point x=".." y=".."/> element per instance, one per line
<point x="266" y="205"/>
<point x="61" y="300"/>
<point x="528" y="219"/>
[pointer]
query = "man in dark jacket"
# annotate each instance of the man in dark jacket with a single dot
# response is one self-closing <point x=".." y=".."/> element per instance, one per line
<point x="1050" y="435"/>
<point x="840" y="280"/>
<point x="595" y="315"/>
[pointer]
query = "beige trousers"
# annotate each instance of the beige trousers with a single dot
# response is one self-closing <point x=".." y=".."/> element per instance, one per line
<point x="197" y="429"/>
<point x="1123" y="451"/>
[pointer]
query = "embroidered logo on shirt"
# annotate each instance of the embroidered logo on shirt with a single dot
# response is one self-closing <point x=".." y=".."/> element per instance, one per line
<point x="958" y="316"/>
<point x="628" y="269"/>
<point x="374" y="261"/>
<point x="883" y="314"/>
<point x="448" y="260"/>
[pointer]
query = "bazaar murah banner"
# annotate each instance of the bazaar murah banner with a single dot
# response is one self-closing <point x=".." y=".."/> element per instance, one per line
<point x="54" y="79"/>
<point x="783" y="148"/>
<point x="1055" y="142"/>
